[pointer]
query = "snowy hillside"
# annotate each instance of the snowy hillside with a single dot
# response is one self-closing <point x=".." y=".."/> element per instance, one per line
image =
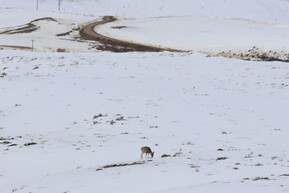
<point x="210" y="35"/>
<point x="268" y="10"/>
<point x="73" y="118"/>
<point x="203" y="109"/>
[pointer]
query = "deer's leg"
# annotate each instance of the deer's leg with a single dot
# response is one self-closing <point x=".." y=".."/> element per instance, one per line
<point x="141" y="156"/>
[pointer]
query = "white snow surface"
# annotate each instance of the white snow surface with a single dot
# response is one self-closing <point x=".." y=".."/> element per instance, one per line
<point x="184" y="103"/>
<point x="204" y="34"/>
<point x="223" y="121"/>
<point x="269" y="10"/>
<point x="205" y="26"/>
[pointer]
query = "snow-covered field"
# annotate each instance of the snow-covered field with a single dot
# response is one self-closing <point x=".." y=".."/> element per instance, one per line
<point x="75" y="122"/>
<point x="269" y="10"/>
<point x="203" y="34"/>
<point x="185" y="103"/>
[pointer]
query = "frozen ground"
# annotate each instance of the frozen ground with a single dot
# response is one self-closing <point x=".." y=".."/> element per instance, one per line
<point x="184" y="103"/>
<point x="203" y="26"/>
<point x="74" y="122"/>
<point x="203" y="34"/>
<point x="269" y="10"/>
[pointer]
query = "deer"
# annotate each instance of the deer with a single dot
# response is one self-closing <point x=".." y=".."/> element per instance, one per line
<point x="146" y="150"/>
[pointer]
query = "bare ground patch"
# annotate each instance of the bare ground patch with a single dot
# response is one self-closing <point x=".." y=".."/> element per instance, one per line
<point x="121" y="165"/>
<point x="16" y="47"/>
<point x="26" y="28"/>
<point x="257" y="54"/>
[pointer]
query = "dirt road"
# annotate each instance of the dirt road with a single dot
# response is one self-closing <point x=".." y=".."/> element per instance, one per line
<point x="115" y="45"/>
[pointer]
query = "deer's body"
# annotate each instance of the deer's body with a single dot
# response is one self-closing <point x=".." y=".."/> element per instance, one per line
<point x="147" y="151"/>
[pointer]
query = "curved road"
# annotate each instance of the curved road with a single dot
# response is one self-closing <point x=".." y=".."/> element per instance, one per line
<point x="111" y="44"/>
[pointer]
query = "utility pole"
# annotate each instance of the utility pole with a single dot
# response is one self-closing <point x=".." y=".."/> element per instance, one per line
<point x="36" y="5"/>
<point x="59" y="3"/>
<point x="32" y="45"/>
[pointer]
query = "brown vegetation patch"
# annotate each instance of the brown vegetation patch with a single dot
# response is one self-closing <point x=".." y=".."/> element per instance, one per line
<point x="67" y="33"/>
<point x="30" y="143"/>
<point x="16" y="47"/>
<point x="3" y="74"/>
<point x="120" y="165"/>
<point x="261" y="178"/>
<point x="221" y="158"/>
<point x="64" y="34"/>
<point x="5" y="142"/>
<point x="256" y="54"/>
<point x="28" y="28"/>
<point x="118" y="27"/>
<point x="6" y="138"/>
<point x="60" y="50"/>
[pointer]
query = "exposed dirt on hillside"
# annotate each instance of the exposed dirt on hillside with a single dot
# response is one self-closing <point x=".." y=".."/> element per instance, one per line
<point x="26" y="28"/>
<point x="15" y="47"/>
<point x="100" y="42"/>
<point x="256" y="54"/>
<point x="115" y="45"/>
<point x="122" y="165"/>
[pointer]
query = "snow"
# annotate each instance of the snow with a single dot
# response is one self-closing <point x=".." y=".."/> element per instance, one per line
<point x="202" y="34"/>
<point x="15" y="17"/>
<point x="222" y="121"/>
<point x="198" y="104"/>
<point x="44" y="39"/>
<point x="203" y="26"/>
<point x="269" y="10"/>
